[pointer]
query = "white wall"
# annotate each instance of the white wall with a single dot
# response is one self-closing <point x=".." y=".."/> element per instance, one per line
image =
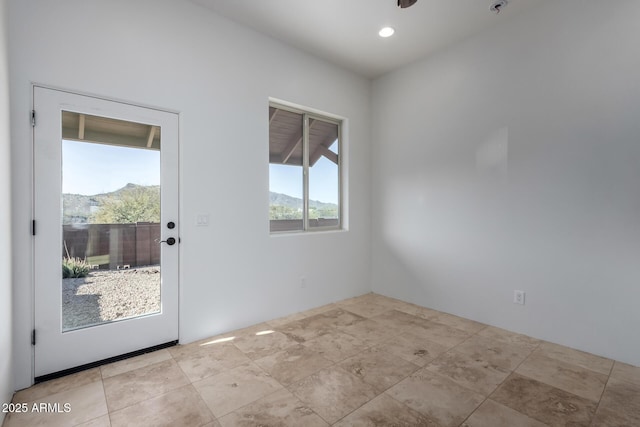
<point x="179" y="56"/>
<point x="512" y="161"/>
<point x="6" y="322"/>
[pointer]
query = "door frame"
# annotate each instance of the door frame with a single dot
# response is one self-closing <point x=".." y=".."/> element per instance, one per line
<point x="32" y="260"/>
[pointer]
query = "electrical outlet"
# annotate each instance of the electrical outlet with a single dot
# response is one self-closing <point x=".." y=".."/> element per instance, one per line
<point x="518" y="297"/>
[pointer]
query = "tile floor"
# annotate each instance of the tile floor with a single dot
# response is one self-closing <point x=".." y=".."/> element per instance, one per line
<point x="366" y="361"/>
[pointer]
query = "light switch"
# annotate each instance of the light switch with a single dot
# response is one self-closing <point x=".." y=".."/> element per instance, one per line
<point x="202" y="220"/>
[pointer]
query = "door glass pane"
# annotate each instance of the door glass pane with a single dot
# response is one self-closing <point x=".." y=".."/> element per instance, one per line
<point x="285" y="170"/>
<point x="324" y="174"/>
<point x="110" y="220"/>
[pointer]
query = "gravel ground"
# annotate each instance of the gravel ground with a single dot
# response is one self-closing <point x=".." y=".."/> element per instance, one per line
<point x="104" y="296"/>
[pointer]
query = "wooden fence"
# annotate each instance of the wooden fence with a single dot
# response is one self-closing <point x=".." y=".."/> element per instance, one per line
<point x="276" y="225"/>
<point x="113" y="246"/>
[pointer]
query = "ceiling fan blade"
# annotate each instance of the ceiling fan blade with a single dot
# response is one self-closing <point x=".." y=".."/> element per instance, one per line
<point x="406" y="3"/>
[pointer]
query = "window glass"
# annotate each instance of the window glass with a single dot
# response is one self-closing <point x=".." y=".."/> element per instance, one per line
<point x="304" y="171"/>
<point x="286" y="180"/>
<point x="324" y="191"/>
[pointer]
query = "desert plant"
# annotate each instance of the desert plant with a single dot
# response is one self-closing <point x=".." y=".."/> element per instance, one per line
<point x="74" y="267"/>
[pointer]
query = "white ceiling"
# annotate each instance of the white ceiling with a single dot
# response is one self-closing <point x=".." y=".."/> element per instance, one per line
<point x="345" y="32"/>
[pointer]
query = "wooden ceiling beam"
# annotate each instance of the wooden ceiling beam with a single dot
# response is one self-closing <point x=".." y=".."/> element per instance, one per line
<point x="152" y="134"/>
<point x="291" y="147"/>
<point x="272" y="114"/>
<point x="323" y="151"/>
<point x="81" y="126"/>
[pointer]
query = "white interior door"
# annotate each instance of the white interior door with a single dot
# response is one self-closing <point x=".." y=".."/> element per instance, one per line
<point x="106" y="229"/>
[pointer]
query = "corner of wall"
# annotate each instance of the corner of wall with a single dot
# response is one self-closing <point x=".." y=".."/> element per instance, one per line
<point x="6" y="312"/>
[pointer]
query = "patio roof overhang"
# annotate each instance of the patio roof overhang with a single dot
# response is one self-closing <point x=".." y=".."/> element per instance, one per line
<point x="104" y="130"/>
<point x="285" y="138"/>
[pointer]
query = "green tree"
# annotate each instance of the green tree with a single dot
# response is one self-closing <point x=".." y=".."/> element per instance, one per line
<point x="315" y="213"/>
<point x="132" y="204"/>
<point x="284" y="212"/>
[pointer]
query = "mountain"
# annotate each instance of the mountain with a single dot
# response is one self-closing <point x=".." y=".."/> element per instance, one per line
<point x="279" y="199"/>
<point x="77" y="208"/>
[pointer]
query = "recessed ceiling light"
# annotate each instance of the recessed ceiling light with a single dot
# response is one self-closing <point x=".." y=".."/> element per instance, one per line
<point x="386" y="32"/>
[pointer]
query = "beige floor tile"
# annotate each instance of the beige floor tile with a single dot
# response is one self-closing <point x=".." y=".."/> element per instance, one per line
<point x="378" y="368"/>
<point x="333" y="393"/>
<point x="277" y="409"/>
<point x="233" y="389"/>
<point x="565" y="376"/>
<point x="366" y="361"/>
<point x="368" y="331"/>
<point x="132" y="387"/>
<point x="544" y="403"/>
<point x="509" y="337"/>
<point x="505" y="355"/>
<point x="226" y="337"/>
<point x="265" y="343"/>
<point x="122" y="366"/>
<point x="399" y="305"/>
<point x="85" y="403"/>
<point x="400" y="321"/>
<point x="336" y="346"/>
<point x="426" y="313"/>
<point x="474" y="373"/>
<point x="365" y="308"/>
<point x="493" y="414"/>
<point x="56" y="386"/>
<point x="103" y="421"/>
<point x="293" y="364"/>
<point x="369" y="296"/>
<point x="383" y="411"/>
<point x="285" y="319"/>
<point x="620" y="404"/>
<point x="575" y="357"/>
<point x="466" y="325"/>
<point x="249" y="331"/>
<point x="406" y="307"/>
<point x="442" y="334"/>
<point x="210" y="360"/>
<point x="438" y="398"/>
<point x="223" y="338"/>
<point x="412" y="348"/>
<point x="307" y="328"/>
<point x="385" y="301"/>
<point x="180" y="407"/>
<point x="397" y="323"/>
<point x="625" y="372"/>
<point x="608" y="418"/>
<point x="319" y="310"/>
<point x="340" y="317"/>
<point x="181" y="350"/>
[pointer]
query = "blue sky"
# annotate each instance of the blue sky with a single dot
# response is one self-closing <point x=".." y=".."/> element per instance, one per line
<point x="98" y="168"/>
<point x="323" y="180"/>
<point x="286" y="180"/>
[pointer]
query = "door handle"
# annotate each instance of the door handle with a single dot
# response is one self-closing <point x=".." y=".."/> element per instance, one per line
<point x="170" y="241"/>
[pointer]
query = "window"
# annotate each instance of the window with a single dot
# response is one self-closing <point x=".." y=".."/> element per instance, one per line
<point x="304" y="170"/>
